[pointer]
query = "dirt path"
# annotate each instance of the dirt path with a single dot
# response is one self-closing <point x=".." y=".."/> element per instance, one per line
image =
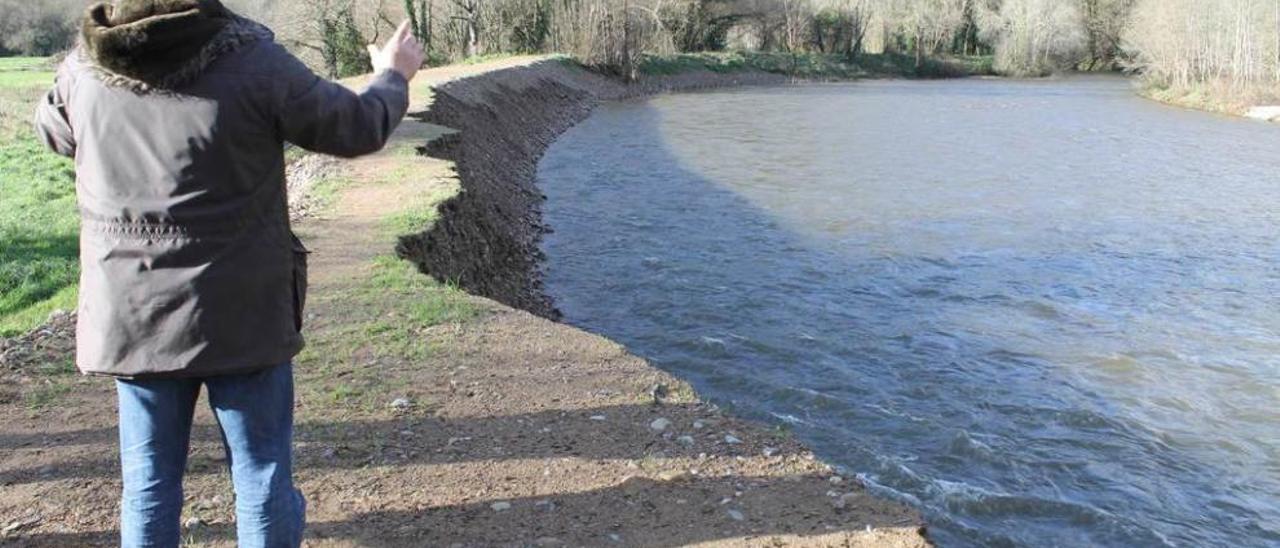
<point x="428" y="417"/>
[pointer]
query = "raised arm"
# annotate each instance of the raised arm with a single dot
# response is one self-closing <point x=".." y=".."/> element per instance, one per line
<point x="53" y="124"/>
<point x="326" y="117"/>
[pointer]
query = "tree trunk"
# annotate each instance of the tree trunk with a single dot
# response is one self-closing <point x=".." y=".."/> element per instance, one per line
<point x="473" y="36"/>
<point x="919" y="48"/>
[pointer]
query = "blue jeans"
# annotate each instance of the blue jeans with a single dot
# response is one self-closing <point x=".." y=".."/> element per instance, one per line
<point x="255" y="414"/>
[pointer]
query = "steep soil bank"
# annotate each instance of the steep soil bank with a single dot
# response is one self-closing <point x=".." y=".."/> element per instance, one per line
<point x="486" y="239"/>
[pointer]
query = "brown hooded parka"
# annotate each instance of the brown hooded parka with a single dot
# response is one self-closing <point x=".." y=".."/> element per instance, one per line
<point x="176" y="113"/>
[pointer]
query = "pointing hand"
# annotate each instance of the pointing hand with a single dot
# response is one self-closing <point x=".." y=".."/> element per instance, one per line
<point x="402" y="53"/>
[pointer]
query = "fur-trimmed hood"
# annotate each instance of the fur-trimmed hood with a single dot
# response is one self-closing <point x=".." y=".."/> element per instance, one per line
<point x="162" y="44"/>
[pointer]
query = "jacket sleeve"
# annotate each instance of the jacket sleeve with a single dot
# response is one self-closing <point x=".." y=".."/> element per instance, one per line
<point x="53" y="124"/>
<point x="326" y="117"/>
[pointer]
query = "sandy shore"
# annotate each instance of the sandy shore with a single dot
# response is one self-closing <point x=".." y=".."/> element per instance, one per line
<point x="428" y="417"/>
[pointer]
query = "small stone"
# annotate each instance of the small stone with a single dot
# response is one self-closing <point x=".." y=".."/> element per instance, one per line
<point x="845" y="500"/>
<point x="545" y="505"/>
<point x="674" y="475"/>
<point x="699" y="425"/>
<point x="686" y="441"/>
<point x="500" y="506"/>
<point x="659" y="425"/>
<point x="10" y="528"/>
<point x="658" y="392"/>
<point x="615" y="538"/>
<point x="835" y="480"/>
<point x="736" y="515"/>
<point x="598" y="417"/>
<point x="406" y="433"/>
<point x="731" y="439"/>
<point x="770" y="451"/>
<point x="833" y="493"/>
<point x="401" y="404"/>
<point x="548" y="541"/>
<point x="192" y="523"/>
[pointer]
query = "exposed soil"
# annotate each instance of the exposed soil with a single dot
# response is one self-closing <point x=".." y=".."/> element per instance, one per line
<point x="502" y="430"/>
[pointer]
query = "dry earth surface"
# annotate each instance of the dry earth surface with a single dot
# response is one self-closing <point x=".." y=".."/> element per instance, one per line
<point x="429" y="417"/>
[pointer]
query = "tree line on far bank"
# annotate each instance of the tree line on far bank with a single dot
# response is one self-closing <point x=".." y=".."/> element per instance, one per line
<point x="1215" y="46"/>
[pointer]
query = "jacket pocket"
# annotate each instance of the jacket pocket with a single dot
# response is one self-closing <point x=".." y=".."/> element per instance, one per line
<point x="299" y="281"/>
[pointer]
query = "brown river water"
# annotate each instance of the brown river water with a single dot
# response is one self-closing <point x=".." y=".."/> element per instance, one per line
<point x="1043" y="312"/>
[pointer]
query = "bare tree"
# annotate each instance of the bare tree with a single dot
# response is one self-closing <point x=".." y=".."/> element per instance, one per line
<point x="1033" y="37"/>
<point x="1232" y="46"/>
<point x="38" y="28"/>
<point x="1104" y="24"/>
<point x="468" y="13"/>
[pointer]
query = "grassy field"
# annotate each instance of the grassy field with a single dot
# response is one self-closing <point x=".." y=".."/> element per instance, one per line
<point x="38" y="221"/>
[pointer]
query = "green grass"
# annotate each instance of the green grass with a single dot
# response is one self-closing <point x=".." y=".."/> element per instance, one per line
<point x="9" y="64"/>
<point x="419" y="216"/>
<point x="323" y="193"/>
<point x="383" y="327"/>
<point x="422" y="302"/>
<point x="46" y="395"/>
<point x="25" y="79"/>
<point x="38" y="222"/>
<point x="477" y="59"/>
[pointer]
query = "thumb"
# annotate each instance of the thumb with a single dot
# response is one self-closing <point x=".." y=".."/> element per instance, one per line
<point x="373" y="50"/>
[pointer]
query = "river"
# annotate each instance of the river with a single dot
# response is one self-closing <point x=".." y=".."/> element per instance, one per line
<point x="1043" y="312"/>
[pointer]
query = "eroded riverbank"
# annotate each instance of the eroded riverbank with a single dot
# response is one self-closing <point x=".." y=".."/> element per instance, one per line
<point x="486" y="239"/>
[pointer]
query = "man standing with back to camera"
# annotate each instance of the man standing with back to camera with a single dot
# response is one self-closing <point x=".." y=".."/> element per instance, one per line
<point x="176" y="113"/>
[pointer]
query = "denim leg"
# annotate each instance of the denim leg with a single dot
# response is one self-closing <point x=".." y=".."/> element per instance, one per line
<point x="255" y="412"/>
<point x="155" y="434"/>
